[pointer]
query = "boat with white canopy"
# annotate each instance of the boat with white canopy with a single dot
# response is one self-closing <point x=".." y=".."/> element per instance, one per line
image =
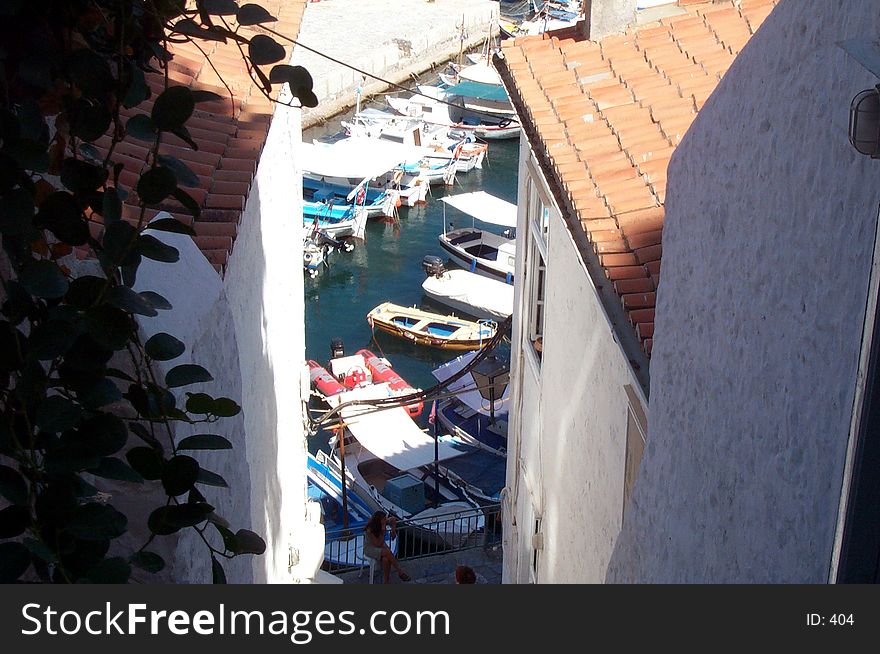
<point x="385" y="452"/>
<point x="477" y="250"/>
<point x="348" y="162"/>
<point x="466" y="291"/>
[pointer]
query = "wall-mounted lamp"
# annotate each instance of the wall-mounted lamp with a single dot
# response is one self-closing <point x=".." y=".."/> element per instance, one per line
<point x="864" y="122"/>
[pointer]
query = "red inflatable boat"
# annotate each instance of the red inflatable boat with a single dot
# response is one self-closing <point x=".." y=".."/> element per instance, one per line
<point x="381" y="372"/>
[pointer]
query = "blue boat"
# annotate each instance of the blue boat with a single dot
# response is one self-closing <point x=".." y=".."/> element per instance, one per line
<point x="335" y="220"/>
<point x="344" y="544"/>
<point x="377" y="201"/>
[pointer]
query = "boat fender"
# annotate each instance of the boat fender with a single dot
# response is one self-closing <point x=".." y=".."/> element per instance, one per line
<point x="509" y="279"/>
<point x="473" y="265"/>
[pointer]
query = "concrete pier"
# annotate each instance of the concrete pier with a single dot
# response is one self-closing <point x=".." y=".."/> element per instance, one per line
<point x="394" y="39"/>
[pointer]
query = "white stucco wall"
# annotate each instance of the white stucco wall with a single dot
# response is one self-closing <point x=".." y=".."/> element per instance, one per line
<point x="264" y="288"/>
<point x="569" y="424"/>
<point x="248" y="330"/>
<point x="770" y="219"/>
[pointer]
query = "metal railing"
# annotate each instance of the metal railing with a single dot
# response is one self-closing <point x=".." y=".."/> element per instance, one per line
<point x="439" y="534"/>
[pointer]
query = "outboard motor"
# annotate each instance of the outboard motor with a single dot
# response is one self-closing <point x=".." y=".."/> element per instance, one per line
<point x="433" y="266"/>
<point x="337" y="348"/>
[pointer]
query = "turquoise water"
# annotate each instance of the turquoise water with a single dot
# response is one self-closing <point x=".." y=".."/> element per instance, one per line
<point x="387" y="267"/>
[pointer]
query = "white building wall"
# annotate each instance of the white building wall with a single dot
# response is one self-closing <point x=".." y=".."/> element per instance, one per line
<point x="569" y="423"/>
<point x="248" y="331"/>
<point x="264" y="288"/>
<point x="770" y="220"/>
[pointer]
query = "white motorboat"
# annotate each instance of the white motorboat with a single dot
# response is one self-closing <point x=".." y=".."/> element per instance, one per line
<point x="439" y="143"/>
<point x="478" y="250"/>
<point x="466" y="291"/>
<point x="429" y="105"/>
<point x="348" y="162"/>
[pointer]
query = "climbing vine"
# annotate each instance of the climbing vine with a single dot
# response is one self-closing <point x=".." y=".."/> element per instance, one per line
<point x="80" y="396"/>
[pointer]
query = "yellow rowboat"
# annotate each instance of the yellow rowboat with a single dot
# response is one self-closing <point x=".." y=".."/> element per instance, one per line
<point x="431" y="329"/>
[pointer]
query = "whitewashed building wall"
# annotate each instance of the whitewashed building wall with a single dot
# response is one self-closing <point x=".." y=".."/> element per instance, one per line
<point x="248" y="330"/>
<point x="767" y="248"/>
<point x="569" y="418"/>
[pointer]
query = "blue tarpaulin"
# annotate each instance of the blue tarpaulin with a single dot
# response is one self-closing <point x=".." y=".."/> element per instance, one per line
<point x="478" y="90"/>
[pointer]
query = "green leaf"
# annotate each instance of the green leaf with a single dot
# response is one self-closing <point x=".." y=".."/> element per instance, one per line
<point x="251" y="14"/>
<point x="39" y="549"/>
<point x="179" y="475"/>
<point x="172" y="225"/>
<point x="70" y="457"/>
<point x="81" y="177"/>
<point x="183" y="134"/>
<point x="206" y="96"/>
<point x="122" y="297"/>
<point x="173" y="108"/>
<point x="186" y="374"/>
<point x="105" y="433"/>
<point x="306" y="97"/>
<point x="113" y="468"/>
<point x="111" y="205"/>
<point x="90" y="72"/>
<point x="170" y="519"/>
<point x="14" y="520"/>
<point x="141" y="127"/>
<point x="114" y="570"/>
<point x="225" y="408"/>
<point x="89" y="120"/>
<point x="192" y="207"/>
<point x="265" y="50"/>
<point x="84" y="291"/>
<point x="120" y="243"/>
<point x="189" y="27"/>
<point x="220" y="7"/>
<point x="109" y="326"/>
<point x="164" y="347"/>
<point x="12" y="485"/>
<point x="149" y="561"/>
<point x="204" y="442"/>
<point x="43" y="279"/>
<point x="61" y="215"/>
<point x="14" y="560"/>
<point x="297" y="76"/>
<point x="100" y="394"/>
<point x="199" y="403"/>
<point x="51" y="340"/>
<point x="156" y="184"/>
<point x="185" y="176"/>
<point x="209" y="478"/>
<point x="247" y="542"/>
<point x="95" y="521"/>
<point x="152" y="248"/>
<point x="57" y="414"/>
<point x="17" y="214"/>
<point x="146" y="461"/>
<point x="137" y="90"/>
<point x="13" y="347"/>
<point x="158" y="301"/>
<point x="217" y="574"/>
<point x="30" y="155"/>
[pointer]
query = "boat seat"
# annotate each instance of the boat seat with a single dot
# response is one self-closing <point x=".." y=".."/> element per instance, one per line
<point x="323" y="194"/>
<point x="465" y="411"/>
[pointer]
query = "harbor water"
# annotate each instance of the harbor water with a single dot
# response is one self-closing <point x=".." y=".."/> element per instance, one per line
<point x="386" y="266"/>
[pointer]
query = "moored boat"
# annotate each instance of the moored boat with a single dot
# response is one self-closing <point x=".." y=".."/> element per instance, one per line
<point x="478" y="250"/>
<point x="431" y="329"/>
<point x="466" y="291"/>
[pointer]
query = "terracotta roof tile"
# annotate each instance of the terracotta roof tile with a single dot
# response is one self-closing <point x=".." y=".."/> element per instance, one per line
<point x="230" y="133"/>
<point x="611" y="113"/>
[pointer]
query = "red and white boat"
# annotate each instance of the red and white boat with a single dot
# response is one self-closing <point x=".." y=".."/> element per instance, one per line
<point x="361" y="370"/>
